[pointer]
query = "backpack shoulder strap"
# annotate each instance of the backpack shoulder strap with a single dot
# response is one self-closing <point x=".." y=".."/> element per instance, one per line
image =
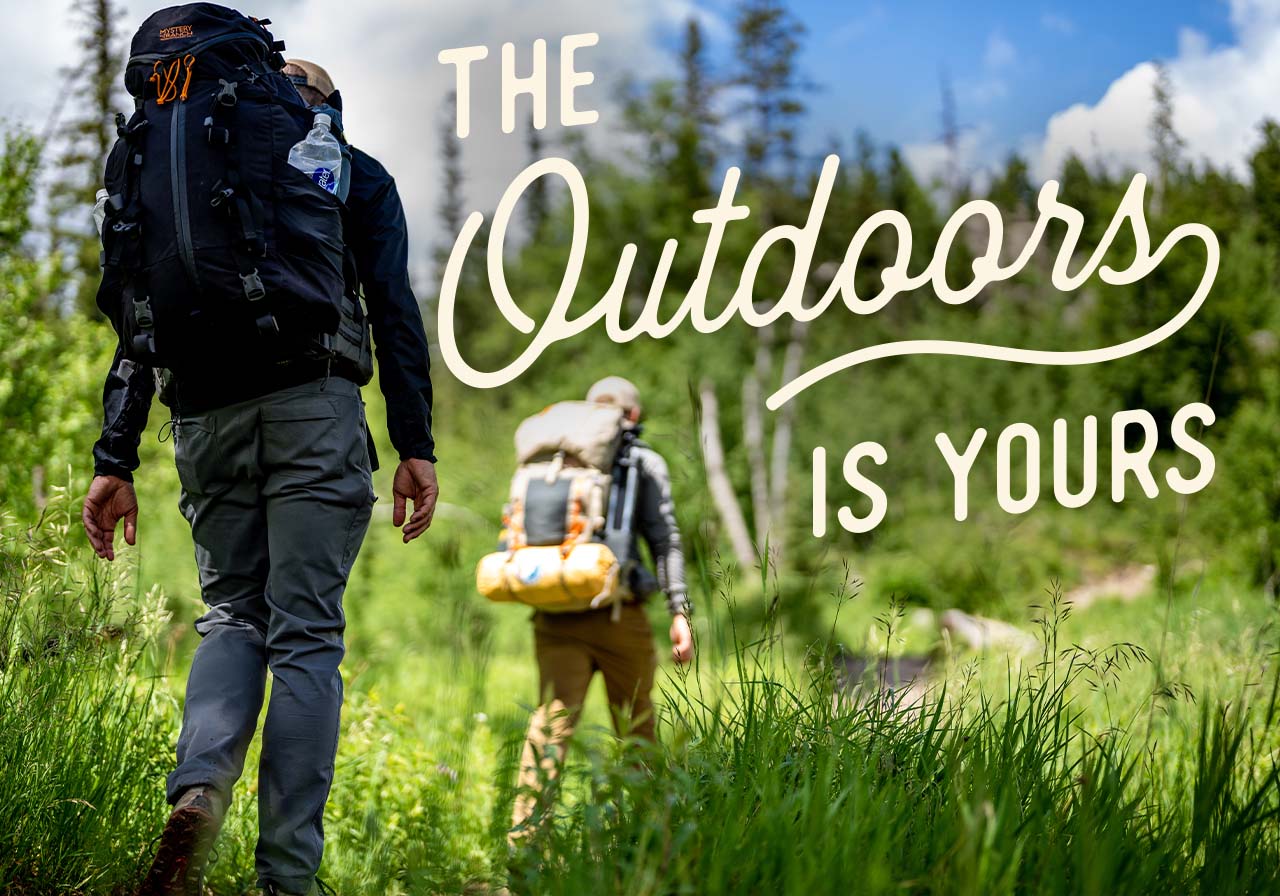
<point x="121" y="248"/>
<point x="622" y="499"/>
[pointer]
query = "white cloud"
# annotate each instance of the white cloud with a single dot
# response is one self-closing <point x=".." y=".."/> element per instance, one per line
<point x="1000" y="53"/>
<point x="988" y="84"/>
<point x="32" y="56"/>
<point x="983" y="92"/>
<point x="1057" y="23"/>
<point x="935" y="164"/>
<point x="1114" y="130"/>
<point x="1220" y="95"/>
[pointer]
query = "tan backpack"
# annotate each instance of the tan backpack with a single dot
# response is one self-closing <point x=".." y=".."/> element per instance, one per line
<point x="566" y="536"/>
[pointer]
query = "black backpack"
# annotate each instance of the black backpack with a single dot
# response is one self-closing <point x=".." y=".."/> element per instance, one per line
<point x="214" y="246"/>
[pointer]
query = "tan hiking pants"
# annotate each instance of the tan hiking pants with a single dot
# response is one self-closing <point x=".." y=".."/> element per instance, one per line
<point x="570" y="649"/>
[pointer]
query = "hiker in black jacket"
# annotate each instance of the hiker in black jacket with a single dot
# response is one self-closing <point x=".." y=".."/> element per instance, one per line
<point x="275" y="464"/>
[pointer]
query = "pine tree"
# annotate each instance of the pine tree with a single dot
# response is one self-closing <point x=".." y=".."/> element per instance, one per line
<point x="1169" y="145"/>
<point x="536" y="201"/>
<point x="767" y="41"/>
<point x="698" y="89"/>
<point x="1012" y="189"/>
<point x="695" y="140"/>
<point x="1265" y="166"/>
<point x="955" y="181"/>
<point x="449" y="211"/>
<point x="87" y="137"/>
<point x="19" y="165"/>
<point x="451" y="215"/>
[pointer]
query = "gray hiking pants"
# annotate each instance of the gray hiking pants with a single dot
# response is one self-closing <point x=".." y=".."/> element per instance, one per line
<point x="278" y="492"/>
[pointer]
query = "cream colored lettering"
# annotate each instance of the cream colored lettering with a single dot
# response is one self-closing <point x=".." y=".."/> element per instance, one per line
<point x="850" y="521"/>
<point x="960" y="466"/>
<point x="558" y="325"/>
<point x="1088" y="464"/>
<point x="1188" y="443"/>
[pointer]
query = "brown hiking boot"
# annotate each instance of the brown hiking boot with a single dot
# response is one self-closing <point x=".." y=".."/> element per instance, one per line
<point x="185" y="843"/>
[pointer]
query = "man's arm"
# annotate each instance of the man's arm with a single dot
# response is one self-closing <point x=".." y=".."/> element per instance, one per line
<point x="126" y="403"/>
<point x="379" y="240"/>
<point x="656" y="523"/>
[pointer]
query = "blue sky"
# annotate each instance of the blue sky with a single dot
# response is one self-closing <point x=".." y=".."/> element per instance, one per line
<point x="1012" y="66"/>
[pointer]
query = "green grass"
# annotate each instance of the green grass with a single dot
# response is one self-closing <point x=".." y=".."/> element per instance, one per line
<point x="83" y="729"/>
<point x="1091" y="767"/>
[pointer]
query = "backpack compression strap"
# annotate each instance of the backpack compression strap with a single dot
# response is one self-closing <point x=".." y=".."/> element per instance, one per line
<point x="243" y="207"/>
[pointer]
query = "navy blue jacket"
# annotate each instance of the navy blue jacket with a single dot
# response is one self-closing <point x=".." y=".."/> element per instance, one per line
<point x="378" y="237"/>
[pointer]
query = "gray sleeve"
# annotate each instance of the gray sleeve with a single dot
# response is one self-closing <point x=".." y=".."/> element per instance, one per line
<point x="656" y="522"/>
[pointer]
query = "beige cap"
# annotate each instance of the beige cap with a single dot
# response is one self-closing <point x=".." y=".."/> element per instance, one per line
<point x="616" y="391"/>
<point x="316" y="77"/>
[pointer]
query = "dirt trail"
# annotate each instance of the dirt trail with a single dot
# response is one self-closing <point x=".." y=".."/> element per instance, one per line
<point x="1124" y="584"/>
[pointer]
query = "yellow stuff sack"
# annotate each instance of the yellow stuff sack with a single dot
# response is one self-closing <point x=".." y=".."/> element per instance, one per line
<point x="550" y="579"/>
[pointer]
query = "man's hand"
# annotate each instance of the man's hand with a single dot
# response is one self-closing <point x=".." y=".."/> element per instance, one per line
<point x="110" y="500"/>
<point x="681" y="639"/>
<point x="415" y="481"/>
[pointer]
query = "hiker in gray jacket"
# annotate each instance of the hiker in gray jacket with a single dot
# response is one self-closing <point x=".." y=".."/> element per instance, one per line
<point x="616" y="641"/>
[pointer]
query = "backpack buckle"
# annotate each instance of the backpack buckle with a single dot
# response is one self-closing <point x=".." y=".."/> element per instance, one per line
<point x="127" y="131"/>
<point x="254" y="290"/>
<point x="227" y="95"/>
<point x="216" y="135"/>
<point x="142" y="313"/>
<point x="221" y="193"/>
<point x="267" y="325"/>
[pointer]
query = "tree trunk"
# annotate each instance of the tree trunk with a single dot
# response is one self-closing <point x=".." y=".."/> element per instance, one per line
<point x="38" y="494"/>
<point x="718" y="482"/>
<point x="753" y="422"/>
<point x="753" y="439"/>
<point x="783" y="427"/>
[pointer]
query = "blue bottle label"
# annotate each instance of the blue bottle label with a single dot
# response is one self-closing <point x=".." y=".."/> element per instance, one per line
<point x="324" y="178"/>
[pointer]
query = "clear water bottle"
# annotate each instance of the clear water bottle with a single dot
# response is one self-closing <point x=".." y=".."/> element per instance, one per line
<point x="100" y="210"/>
<point x="319" y="156"/>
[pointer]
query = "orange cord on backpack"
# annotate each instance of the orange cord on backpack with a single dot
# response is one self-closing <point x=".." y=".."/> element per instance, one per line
<point x="577" y="527"/>
<point x="166" y="79"/>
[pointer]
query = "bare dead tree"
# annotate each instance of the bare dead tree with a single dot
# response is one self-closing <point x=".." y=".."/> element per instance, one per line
<point x="39" y="495"/>
<point x="950" y="138"/>
<point x="779" y="467"/>
<point x="753" y="433"/>
<point x="767" y="42"/>
<point x="769" y="460"/>
<point x="722" y="492"/>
